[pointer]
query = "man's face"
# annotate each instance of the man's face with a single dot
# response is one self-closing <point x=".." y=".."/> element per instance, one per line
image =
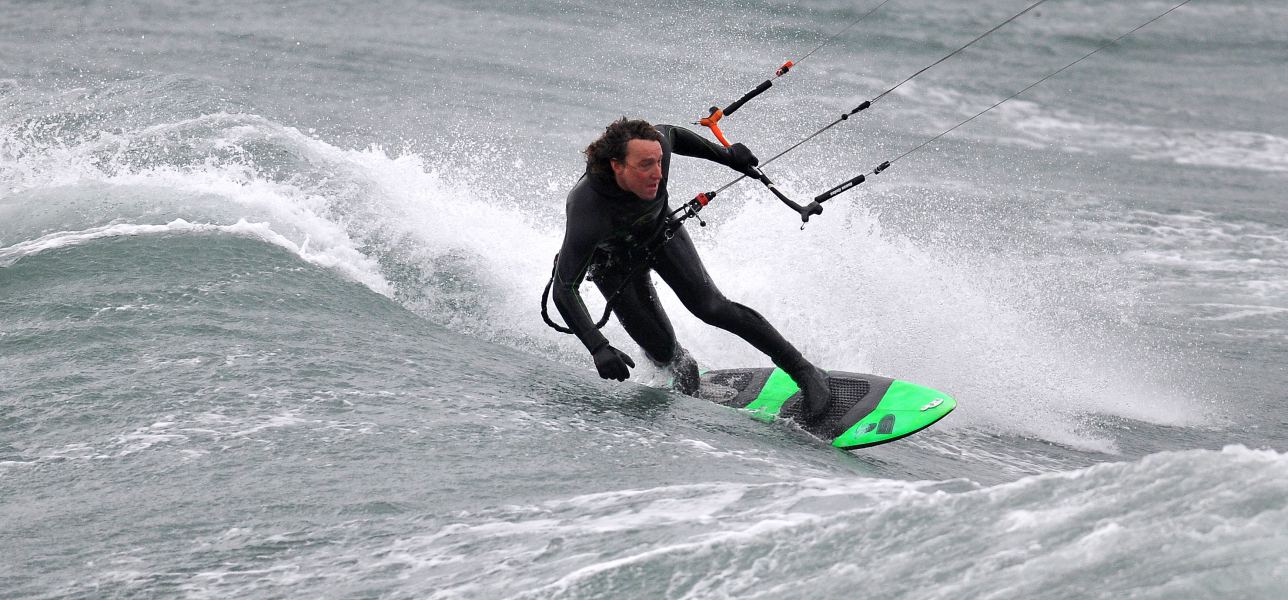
<point x="640" y="173"/>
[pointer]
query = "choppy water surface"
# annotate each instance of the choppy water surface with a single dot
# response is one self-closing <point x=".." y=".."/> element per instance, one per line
<point x="269" y="280"/>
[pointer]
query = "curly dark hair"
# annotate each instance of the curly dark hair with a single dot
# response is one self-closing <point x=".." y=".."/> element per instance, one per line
<point x="612" y="145"/>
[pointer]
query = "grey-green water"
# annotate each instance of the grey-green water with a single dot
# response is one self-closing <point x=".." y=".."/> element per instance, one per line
<point x="269" y="281"/>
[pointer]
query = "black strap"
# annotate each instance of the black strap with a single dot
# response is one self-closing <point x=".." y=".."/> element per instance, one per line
<point x="655" y="243"/>
<point x="545" y="300"/>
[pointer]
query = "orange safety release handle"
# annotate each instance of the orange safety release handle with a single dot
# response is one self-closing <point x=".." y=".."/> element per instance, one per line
<point x="711" y="122"/>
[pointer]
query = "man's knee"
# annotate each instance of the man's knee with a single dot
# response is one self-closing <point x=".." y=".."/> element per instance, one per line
<point x="721" y="312"/>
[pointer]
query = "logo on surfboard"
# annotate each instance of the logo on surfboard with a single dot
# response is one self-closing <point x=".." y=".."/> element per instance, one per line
<point x="936" y="402"/>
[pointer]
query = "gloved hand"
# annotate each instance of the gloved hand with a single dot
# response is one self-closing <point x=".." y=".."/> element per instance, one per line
<point x="612" y="363"/>
<point x="741" y="159"/>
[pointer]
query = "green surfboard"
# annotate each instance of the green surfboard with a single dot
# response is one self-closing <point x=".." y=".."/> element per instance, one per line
<point x="866" y="410"/>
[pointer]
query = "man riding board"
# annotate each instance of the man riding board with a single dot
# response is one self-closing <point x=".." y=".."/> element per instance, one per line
<point x="615" y="211"/>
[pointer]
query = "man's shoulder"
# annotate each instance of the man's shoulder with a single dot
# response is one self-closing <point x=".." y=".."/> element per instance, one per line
<point x="584" y="196"/>
<point x="582" y="188"/>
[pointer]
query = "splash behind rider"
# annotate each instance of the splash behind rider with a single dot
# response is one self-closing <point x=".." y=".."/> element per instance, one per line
<point x="613" y="211"/>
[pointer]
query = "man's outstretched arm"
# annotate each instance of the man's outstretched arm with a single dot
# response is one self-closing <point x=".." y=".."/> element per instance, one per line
<point x="688" y="143"/>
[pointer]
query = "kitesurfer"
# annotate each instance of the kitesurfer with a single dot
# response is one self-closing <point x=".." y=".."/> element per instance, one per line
<point x="615" y="213"/>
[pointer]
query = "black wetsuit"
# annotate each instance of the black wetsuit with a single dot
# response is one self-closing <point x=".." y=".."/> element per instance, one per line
<point x="608" y="229"/>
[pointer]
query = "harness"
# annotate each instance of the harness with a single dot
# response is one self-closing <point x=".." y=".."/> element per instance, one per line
<point x="674" y="221"/>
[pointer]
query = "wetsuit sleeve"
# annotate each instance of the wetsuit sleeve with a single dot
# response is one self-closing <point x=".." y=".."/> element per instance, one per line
<point x="689" y="143"/>
<point x="584" y="230"/>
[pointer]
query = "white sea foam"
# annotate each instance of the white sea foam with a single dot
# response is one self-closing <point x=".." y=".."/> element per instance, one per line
<point x="1232" y="261"/>
<point x="477" y="263"/>
<point x="344" y="259"/>
<point x="186" y="438"/>
<point x="474" y="261"/>
<point x="1236" y="312"/>
<point x="206" y="194"/>
<point x="1198" y="147"/>
<point x="1171" y="515"/>
<point x="982" y="331"/>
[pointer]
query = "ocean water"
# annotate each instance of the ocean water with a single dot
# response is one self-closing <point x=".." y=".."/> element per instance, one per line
<point x="270" y="275"/>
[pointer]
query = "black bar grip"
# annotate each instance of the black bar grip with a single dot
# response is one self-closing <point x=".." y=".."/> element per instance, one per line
<point x="752" y="94"/>
<point x="840" y="189"/>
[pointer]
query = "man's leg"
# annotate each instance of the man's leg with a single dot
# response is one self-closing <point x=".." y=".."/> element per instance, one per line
<point x="638" y="310"/>
<point x="679" y="265"/>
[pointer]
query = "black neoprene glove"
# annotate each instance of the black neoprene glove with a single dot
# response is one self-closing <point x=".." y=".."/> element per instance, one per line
<point x="612" y="363"/>
<point x="741" y="159"/>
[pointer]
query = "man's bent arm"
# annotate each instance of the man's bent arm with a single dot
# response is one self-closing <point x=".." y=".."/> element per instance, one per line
<point x="574" y="258"/>
<point x="688" y="143"/>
